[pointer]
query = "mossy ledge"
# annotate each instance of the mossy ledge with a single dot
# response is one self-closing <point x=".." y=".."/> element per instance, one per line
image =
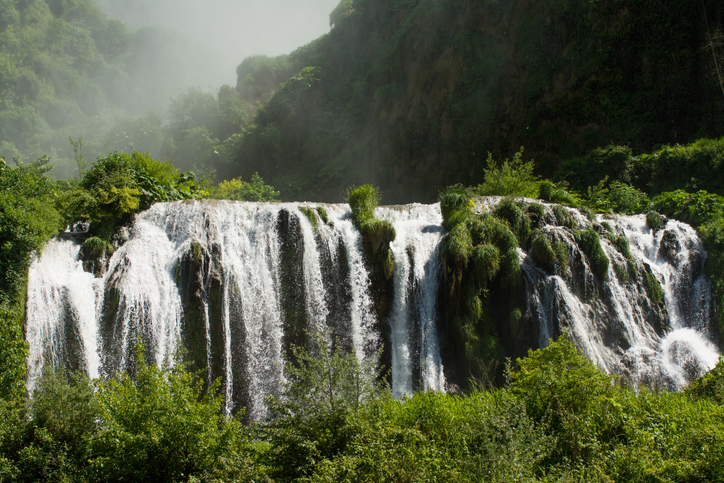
<point x="376" y="234"/>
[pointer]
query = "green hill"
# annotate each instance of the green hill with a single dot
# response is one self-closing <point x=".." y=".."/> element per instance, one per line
<point x="411" y="95"/>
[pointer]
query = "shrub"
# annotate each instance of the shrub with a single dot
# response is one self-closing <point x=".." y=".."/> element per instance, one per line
<point x="486" y="262"/>
<point x="565" y="391"/>
<point x="590" y="244"/>
<point x="542" y="252"/>
<point x="363" y="201"/>
<point x="454" y="205"/>
<point x="654" y="220"/>
<point x="513" y="178"/>
<point x="623" y="198"/>
<point x="254" y="190"/>
<point x="507" y="210"/>
<point x="710" y="385"/>
<point x="563" y="217"/>
<point x="459" y="246"/>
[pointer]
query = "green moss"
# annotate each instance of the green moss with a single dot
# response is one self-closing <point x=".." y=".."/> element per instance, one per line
<point x="486" y="262"/>
<point x="311" y="216"/>
<point x="654" y="220"/>
<point x="561" y="250"/>
<point x="590" y="244"/>
<point x="458" y="247"/>
<point x="563" y="217"/>
<point x="323" y="215"/>
<point x="363" y="201"/>
<point x="621" y="244"/>
<point x="507" y="210"/>
<point x="537" y="210"/>
<point x="653" y="286"/>
<point x="454" y="206"/>
<point x="545" y="190"/>
<point x="95" y="248"/>
<point x="542" y="252"/>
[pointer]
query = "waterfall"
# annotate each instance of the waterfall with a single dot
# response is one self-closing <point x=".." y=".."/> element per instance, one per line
<point x="416" y="250"/>
<point x="618" y="323"/>
<point x="236" y="285"/>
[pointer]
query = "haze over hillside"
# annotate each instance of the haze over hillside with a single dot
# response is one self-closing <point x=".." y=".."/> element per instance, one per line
<point x="232" y="29"/>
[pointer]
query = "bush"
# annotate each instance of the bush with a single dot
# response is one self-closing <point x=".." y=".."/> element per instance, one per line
<point x="513" y="178"/>
<point x="363" y="201"/>
<point x="543" y="253"/>
<point x="654" y="220"/>
<point x="590" y="244"/>
<point x="565" y="391"/>
<point x="458" y="247"/>
<point x="455" y="205"/>
<point x="254" y="190"/>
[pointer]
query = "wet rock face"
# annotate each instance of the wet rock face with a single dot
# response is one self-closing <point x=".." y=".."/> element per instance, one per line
<point x="670" y="247"/>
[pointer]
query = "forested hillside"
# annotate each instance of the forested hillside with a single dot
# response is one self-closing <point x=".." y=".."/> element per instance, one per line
<point x="412" y="94"/>
<point x="67" y="70"/>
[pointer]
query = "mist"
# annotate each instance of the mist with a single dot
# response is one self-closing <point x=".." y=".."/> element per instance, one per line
<point x="229" y="30"/>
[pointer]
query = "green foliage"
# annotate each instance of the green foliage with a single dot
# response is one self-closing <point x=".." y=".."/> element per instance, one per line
<point x="27" y="220"/>
<point x="543" y="253"/>
<point x="255" y="190"/>
<point x="317" y="416"/>
<point x="363" y="200"/>
<point x="340" y="11"/>
<point x="616" y="198"/>
<point x="512" y="178"/>
<point x="590" y="244"/>
<point x="710" y="385"/>
<point x="311" y="216"/>
<point x="95" y="247"/>
<point x="159" y="425"/>
<point x="654" y="220"/>
<point x="455" y="204"/>
<point x="548" y="191"/>
<point x="377" y="234"/>
<point x="694" y="208"/>
<point x="653" y="287"/>
<point x="626" y="199"/>
<point x="323" y="215"/>
<point x="564" y="217"/>
<point x="121" y="184"/>
<point x="458" y="246"/>
<point x="565" y="391"/>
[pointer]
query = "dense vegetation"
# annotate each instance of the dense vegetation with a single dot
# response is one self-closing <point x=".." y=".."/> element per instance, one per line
<point x="557" y="418"/>
<point x="410" y="95"/>
<point x="67" y="70"/>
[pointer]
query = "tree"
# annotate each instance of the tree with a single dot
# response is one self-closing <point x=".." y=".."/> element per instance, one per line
<point x="316" y="417"/>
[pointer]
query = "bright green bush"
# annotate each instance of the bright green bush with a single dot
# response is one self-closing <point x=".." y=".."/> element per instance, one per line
<point x="377" y="234"/>
<point x="455" y="204"/>
<point x="654" y="220"/>
<point x="512" y="178"/>
<point x="565" y="391"/>
<point x="458" y="246"/>
<point x="254" y="190"/>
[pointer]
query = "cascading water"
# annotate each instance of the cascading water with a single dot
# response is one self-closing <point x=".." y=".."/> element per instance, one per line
<point x="238" y="284"/>
<point x="416" y="250"/>
<point x="618" y="322"/>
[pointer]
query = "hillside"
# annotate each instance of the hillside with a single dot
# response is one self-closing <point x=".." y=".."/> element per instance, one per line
<point x="411" y="95"/>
